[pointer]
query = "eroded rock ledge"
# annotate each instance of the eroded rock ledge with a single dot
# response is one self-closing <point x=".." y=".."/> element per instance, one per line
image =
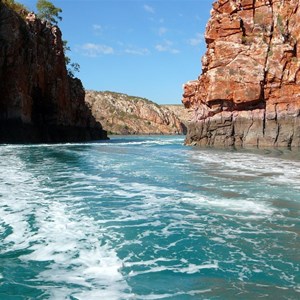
<point x="249" y="90"/>
<point x="39" y="102"/>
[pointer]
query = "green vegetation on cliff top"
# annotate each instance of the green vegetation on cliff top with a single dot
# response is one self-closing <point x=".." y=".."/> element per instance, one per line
<point x="127" y="97"/>
<point x="19" y="8"/>
<point x="48" y="12"/>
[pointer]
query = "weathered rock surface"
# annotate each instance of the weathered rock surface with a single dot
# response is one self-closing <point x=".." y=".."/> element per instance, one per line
<point x="184" y="115"/>
<point x="123" y="114"/>
<point x="249" y="90"/>
<point x="39" y="102"/>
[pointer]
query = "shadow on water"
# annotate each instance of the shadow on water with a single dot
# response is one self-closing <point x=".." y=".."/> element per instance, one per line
<point x="284" y="153"/>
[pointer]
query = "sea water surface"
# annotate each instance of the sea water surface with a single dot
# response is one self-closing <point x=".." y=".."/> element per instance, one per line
<point x="148" y="218"/>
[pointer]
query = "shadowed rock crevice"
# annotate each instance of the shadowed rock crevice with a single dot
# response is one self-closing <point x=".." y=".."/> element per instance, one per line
<point x="250" y="76"/>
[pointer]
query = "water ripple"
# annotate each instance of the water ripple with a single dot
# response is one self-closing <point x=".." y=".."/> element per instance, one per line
<point x="124" y="219"/>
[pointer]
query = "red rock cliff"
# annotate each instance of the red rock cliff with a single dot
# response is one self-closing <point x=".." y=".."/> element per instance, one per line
<point x="39" y="102"/>
<point x="249" y="90"/>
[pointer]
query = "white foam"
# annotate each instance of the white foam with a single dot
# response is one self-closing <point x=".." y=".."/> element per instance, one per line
<point x="253" y="208"/>
<point x="71" y="261"/>
<point x="155" y="296"/>
<point x="218" y="240"/>
<point x="147" y="262"/>
<point x="71" y="244"/>
<point x="192" y="268"/>
<point x="155" y="197"/>
<point x="272" y="170"/>
<point x="79" y="252"/>
<point x="168" y="296"/>
<point x="115" y="141"/>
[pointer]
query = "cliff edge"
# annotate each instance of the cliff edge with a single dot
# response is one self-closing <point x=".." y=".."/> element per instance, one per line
<point x="123" y="114"/>
<point x="39" y="102"/>
<point x="249" y="90"/>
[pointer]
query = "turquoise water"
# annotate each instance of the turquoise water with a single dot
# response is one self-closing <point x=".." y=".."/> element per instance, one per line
<point x="148" y="218"/>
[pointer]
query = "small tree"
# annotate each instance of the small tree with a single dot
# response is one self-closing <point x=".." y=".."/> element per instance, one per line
<point x="72" y="67"/>
<point x="48" y="12"/>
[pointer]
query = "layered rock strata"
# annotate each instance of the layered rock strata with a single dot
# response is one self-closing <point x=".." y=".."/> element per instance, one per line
<point x="123" y="114"/>
<point x="249" y="90"/>
<point x="39" y="102"/>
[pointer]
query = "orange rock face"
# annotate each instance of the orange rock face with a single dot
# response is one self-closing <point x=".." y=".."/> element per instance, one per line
<point x="39" y="102"/>
<point x="249" y="90"/>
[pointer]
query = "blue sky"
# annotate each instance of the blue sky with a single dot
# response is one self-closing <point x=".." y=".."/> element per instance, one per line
<point x="141" y="48"/>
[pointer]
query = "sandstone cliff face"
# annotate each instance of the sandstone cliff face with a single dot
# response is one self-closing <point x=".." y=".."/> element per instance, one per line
<point x="184" y="115"/>
<point x="123" y="114"/>
<point x="249" y="90"/>
<point x="39" y="102"/>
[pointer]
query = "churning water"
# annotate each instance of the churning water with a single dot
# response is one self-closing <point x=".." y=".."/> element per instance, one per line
<point x="148" y="218"/>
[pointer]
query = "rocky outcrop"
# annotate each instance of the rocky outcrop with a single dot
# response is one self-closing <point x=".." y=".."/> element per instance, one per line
<point x="184" y="115"/>
<point x="39" y="102"/>
<point x="249" y="90"/>
<point x="123" y="114"/>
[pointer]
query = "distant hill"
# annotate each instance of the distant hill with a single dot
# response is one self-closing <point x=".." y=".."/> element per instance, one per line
<point x="184" y="115"/>
<point x="123" y="114"/>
